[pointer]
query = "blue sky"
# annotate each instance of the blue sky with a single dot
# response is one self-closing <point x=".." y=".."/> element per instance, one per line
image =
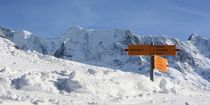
<point x="50" y="18"/>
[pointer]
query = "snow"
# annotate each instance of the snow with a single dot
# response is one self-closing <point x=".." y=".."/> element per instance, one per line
<point x="29" y="77"/>
<point x="32" y="78"/>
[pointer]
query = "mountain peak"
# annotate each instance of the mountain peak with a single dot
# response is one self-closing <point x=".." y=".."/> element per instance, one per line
<point x="193" y="36"/>
<point x="196" y="37"/>
<point x="3" y="28"/>
<point x="23" y="34"/>
<point x="6" y="32"/>
<point x="75" y="28"/>
<point x="26" y="32"/>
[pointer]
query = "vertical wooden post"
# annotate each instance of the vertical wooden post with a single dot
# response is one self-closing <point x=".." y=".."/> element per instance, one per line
<point x="152" y="63"/>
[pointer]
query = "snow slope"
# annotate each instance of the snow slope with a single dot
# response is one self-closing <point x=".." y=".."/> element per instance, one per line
<point x="28" y="77"/>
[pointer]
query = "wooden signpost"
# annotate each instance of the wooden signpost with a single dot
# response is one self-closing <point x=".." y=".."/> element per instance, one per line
<point x="155" y="51"/>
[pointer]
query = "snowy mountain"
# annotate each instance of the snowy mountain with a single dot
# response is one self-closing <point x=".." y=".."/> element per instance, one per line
<point x="106" y="48"/>
<point x="24" y="39"/>
<point x="29" y="77"/>
<point x="27" y="41"/>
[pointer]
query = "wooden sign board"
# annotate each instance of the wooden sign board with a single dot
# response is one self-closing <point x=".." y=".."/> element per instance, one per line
<point x="161" y="64"/>
<point x="139" y="49"/>
<point x="164" y="50"/>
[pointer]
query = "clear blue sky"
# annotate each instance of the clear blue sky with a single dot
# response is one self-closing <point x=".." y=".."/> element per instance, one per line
<point x="50" y="18"/>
